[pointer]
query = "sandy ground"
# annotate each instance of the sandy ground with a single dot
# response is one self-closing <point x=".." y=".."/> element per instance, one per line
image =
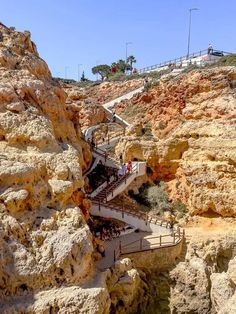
<point x="208" y="225"/>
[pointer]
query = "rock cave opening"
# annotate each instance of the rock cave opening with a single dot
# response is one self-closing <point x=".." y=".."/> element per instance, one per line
<point x="210" y="213"/>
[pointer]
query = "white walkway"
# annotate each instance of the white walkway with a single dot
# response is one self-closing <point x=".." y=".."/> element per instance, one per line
<point x="151" y="234"/>
<point x="129" y="95"/>
<point x="108" y="106"/>
<point x="134" y="242"/>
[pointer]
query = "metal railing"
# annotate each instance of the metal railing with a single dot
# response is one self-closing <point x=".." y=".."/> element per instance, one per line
<point x="133" y="212"/>
<point x="107" y="139"/>
<point x="119" y="120"/>
<point x="122" y="210"/>
<point x="178" y="60"/>
<point x="105" y="155"/>
<point x="176" y="236"/>
<point x="156" y="242"/>
<point x="143" y="244"/>
<point x="109" y="189"/>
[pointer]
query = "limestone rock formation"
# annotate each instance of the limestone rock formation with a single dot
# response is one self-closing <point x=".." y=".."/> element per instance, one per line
<point x="83" y="103"/>
<point x="126" y="288"/>
<point x="192" y="288"/>
<point x="204" y="281"/>
<point x="223" y="290"/>
<point x="46" y="251"/>
<point x="191" y="137"/>
<point x="45" y="242"/>
<point x="106" y="91"/>
<point x="82" y="109"/>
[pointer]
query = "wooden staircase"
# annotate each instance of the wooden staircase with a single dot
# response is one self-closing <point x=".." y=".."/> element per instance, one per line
<point x="102" y="196"/>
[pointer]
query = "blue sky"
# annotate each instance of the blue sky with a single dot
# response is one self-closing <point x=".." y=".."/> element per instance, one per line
<point x="72" y="32"/>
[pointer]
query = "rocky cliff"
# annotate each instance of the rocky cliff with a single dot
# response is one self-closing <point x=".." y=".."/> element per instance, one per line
<point x="45" y="242"/>
<point x="84" y="100"/>
<point x="46" y="252"/>
<point x="205" y="281"/>
<point x="187" y="136"/>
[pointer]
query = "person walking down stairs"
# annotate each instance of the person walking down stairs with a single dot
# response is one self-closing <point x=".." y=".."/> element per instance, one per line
<point x="129" y="166"/>
<point x="122" y="170"/>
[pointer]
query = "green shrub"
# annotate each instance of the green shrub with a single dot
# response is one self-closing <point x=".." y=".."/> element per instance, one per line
<point x="157" y="198"/>
<point x="179" y="208"/>
<point x="229" y="60"/>
<point x="147" y="132"/>
<point x="147" y="86"/>
<point x="132" y="111"/>
<point x="190" y="68"/>
<point x="153" y="197"/>
<point x="151" y="84"/>
<point x="119" y="76"/>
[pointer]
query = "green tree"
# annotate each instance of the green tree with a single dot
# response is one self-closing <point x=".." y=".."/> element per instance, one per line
<point x="102" y="69"/>
<point x="130" y="61"/>
<point x="121" y="66"/>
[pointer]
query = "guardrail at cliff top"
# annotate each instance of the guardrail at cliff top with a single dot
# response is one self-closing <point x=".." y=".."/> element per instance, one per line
<point x="178" y="60"/>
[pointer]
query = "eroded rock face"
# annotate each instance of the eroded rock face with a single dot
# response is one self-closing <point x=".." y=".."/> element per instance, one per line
<point x="192" y="288"/>
<point x="126" y="288"/>
<point x="192" y="140"/>
<point x="204" y="282"/>
<point x="84" y="102"/>
<point x="46" y="248"/>
<point x="45" y="242"/>
<point x="81" y="109"/>
<point x="43" y="250"/>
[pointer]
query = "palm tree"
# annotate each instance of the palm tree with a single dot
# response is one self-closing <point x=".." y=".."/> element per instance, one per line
<point x="131" y="60"/>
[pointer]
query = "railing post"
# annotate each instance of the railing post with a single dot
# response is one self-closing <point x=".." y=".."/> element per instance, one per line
<point x="160" y="240"/>
<point x="120" y="247"/>
<point x="173" y="237"/>
<point x="179" y="231"/>
<point x="183" y="233"/>
<point x="141" y="244"/>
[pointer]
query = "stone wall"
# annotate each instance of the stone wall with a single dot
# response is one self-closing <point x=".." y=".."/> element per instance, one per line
<point x="159" y="259"/>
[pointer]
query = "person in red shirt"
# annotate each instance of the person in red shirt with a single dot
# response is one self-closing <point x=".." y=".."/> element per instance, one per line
<point x="129" y="166"/>
<point x="113" y="69"/>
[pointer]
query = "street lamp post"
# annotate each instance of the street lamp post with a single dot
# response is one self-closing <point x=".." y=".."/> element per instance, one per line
<point x="189" y="29"/>
<point x="126" y="53"/>
<point x="79" y="64"/>
<point x="126" y="50"/>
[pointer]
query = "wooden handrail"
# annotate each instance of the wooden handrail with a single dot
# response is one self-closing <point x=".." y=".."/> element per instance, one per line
<point x="137" y="214"/>
<point x="122" y="250"/>
<point x="111" y="186"/>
